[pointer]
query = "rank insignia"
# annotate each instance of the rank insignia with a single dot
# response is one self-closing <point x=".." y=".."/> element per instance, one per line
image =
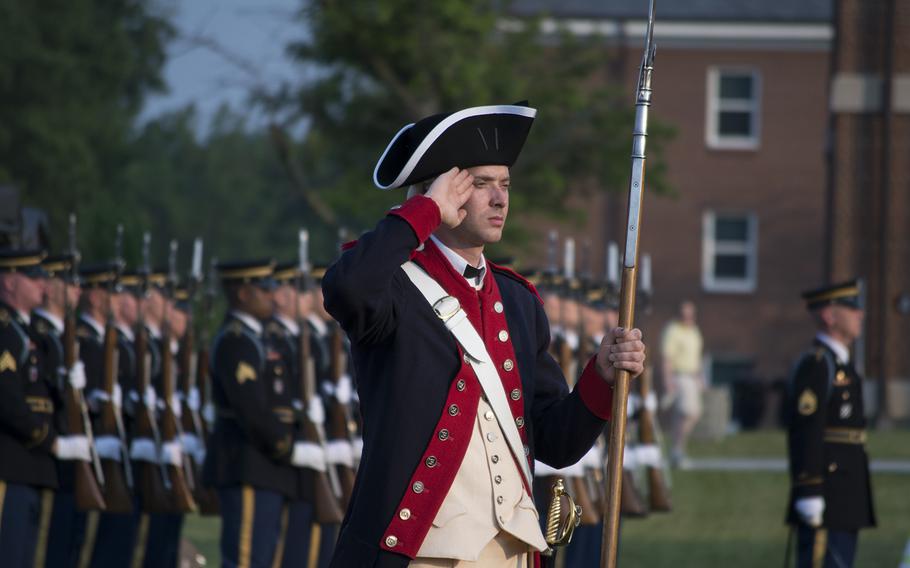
<point x="808" y="403"/>
<point x="7" y="362"/>
<point x="245" y="373"/>
<point x="846" y="410"/>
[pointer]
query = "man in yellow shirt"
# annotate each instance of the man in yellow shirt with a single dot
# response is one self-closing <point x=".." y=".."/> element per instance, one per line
<point x="684" y="379"/>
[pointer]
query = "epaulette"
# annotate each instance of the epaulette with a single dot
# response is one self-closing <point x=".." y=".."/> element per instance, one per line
<point x="516" y="277"/>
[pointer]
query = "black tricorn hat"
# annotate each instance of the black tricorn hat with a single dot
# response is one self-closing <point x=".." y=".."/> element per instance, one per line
<point x="848" y="294"/>
<point x="476" y="136"/>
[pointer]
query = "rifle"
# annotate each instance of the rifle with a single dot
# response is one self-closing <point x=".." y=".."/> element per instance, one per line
<point x="171" y="431"/>
<point x="627" y="298"/>
<point x="194" y="367"/>
<point x="658" y="493"/>
<point x="88" y="478"/>
<point x="327" y="486"/>
<point x="341" y="423"/>
<point x="155" y="483"/>
<point x="118" y="475"/>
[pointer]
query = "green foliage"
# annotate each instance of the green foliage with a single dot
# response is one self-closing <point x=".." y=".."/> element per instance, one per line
<point x="382" y="64"/>
<point x="73" y="75"/>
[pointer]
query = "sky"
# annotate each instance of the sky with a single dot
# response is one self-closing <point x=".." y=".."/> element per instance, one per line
<point x="224" y="48"/>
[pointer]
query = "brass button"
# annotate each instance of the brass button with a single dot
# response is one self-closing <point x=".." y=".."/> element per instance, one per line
<point x="497" y="307"/>
<point x="391" y="541"/>
<point x="491" y="437"/>
<point x="495" y="458"/>
<point x="417" y="487"/>
<point x="499" y="499"/>
<point x="503" y="336"/>
<point x="453" y="410"/>
<point x="488" y="415"/>
<point x="498" y="479"/>
<point x="520" y="421"/>
<point x="832" y="467"/>
<point x="465" y="358"/>
<point x="515" y="394"/>
<point x="460" y="385"/>
<point x="508" y="365"/>
<point x="431" y="461"/>
<point x="443" y="434"/>
<point x="404" y="514"/>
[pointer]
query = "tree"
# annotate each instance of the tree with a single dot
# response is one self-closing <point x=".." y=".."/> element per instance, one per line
<point x="73" y="75"/>
<point x="378" y="64"/>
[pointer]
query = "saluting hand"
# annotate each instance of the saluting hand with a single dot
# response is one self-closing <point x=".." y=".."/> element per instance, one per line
<point x="620" y="349"/>
<point x="450" y="191"/>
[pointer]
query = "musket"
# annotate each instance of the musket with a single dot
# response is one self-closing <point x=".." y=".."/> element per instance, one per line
<point x="118" y="475"/>
<point x="327" y="486"/>
<point x="155" y="483"/>
<point x="89" y="479"/>
<point x="627" y="298"/>
<point x="171" y="431"/>
<point x="193" y="370"/>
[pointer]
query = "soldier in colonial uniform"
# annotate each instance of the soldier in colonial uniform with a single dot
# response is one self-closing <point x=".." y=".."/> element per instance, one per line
<point x="831" y="496"/>
<point x="67" y="523"/>
<point x="28" y="438"/>
<point x="252" y="451"/>
<point x="452" y="424"/>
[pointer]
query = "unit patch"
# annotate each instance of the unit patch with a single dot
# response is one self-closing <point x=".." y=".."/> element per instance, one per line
<point x="7" y="362"/>
<point x="808" y="403"/>
<point x="245" y="373"/>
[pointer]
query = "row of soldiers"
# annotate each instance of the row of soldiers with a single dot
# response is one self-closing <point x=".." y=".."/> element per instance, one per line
<point x="114" y="423"/>
<point x="580" y="308"/>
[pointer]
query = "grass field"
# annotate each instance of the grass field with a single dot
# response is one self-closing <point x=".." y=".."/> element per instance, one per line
<point x="727" y="519"/>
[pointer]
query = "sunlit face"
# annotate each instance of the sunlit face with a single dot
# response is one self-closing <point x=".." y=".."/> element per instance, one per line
<point x="29" y="292"/>
<point x="177" y="320"/>
<point x="259" y="301"/>
<point x="153" y="306"/>
<point x="487" y="207"/>
<point x="687" y="312"/>
<point x="551" y="306"/>
<point x="847" y="321"/>
<point x="283" y="298"/>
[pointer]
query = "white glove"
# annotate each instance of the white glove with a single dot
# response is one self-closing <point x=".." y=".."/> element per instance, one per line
<point x="339" y="452"/>
<point x="630" y="457"/>
<point x="172" y="453"/>
<point x="194" y="399"/>
<point x="176" y="406"/>
<point x="208" y="413"/>
<point x="73" y="448"/>
<point x="308" y="455"/>
<point x="594" y="458"/>
<point x="649" y="455"/>
<point x="95" y="398"/>
<point x="344" y="389"/>
<point x="315" y="411"/>
<point x="651" y="402"/>
<point x="117" y="396"/>
<point x="77" y="375"/>
<point x="143" y="449"/>
<point x="108" y="447"/>
<point x="149" y="398"/>
<point x="632" y="404"/>
<point x="810" y="510"/>
<point x="358" y="448"/>
<point x="190" y="443"/>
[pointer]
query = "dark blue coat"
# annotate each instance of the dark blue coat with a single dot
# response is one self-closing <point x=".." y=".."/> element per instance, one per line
<point x="405" y="362"/>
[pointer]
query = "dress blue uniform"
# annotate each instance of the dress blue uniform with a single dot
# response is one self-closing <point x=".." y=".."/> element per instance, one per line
<point x="826" y="440"/>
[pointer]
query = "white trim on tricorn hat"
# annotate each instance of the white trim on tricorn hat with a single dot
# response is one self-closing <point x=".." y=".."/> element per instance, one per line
<point x="436" y="132"/>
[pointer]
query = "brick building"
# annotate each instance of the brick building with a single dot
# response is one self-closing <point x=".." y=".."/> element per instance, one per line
<point x="868" y="196"/>
<point x="746" y="87"/>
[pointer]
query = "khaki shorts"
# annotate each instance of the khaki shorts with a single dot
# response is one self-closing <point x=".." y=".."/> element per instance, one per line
<point x="688" y="399"/>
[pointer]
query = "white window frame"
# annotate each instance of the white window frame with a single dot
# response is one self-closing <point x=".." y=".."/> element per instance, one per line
<point x="713" y="138"/>
<point x="711" y="248"/>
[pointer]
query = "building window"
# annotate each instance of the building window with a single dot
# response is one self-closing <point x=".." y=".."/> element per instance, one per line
<point x="734" y="109"/>
<point x="729" y="252"/>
